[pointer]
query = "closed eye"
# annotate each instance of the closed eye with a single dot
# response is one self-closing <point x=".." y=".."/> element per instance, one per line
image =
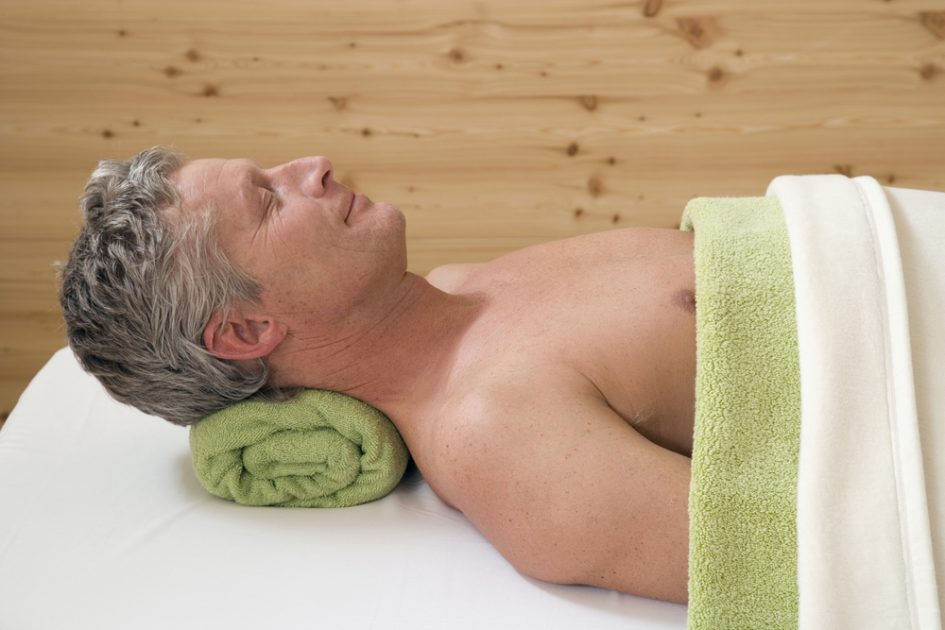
<point x="271" y="201"/>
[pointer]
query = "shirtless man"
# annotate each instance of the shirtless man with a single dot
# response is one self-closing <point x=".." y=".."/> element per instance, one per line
<point x="547" y="394"/>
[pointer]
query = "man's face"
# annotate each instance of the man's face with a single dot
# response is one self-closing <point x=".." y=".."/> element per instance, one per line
<point x="287" y="228"/>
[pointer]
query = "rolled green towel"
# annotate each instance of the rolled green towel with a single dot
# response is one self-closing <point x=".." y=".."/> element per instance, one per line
<point x="319" y="449"/>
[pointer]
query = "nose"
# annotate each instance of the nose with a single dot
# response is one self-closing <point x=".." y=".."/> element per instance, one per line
<point x="311" y="174"/>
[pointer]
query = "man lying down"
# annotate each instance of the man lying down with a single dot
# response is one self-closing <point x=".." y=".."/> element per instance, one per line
<point x="547" y="394"/>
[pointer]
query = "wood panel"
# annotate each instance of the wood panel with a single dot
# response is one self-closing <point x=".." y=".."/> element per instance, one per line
<point x="493" y="125"/>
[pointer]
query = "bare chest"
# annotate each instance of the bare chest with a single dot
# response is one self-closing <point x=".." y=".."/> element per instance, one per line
<point x="616" y="307"/>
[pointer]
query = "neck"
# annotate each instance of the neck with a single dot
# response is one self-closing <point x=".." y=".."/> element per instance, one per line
<point x="396" y="359"/>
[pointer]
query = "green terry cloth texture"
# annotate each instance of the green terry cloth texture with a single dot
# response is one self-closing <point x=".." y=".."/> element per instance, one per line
<point x="743" y="491"/>
<point x="319" y="449"/>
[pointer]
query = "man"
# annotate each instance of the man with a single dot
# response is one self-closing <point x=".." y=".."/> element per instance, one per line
<point x="547" y="394"/>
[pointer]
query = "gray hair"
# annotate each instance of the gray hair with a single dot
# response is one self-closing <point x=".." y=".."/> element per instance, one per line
<point x="139" y="288"/>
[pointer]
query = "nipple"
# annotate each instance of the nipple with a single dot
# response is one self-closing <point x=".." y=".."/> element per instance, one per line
<point x="685" y="299"/>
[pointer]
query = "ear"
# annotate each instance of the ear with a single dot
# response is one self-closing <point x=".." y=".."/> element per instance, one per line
<point x="238" y="336"/>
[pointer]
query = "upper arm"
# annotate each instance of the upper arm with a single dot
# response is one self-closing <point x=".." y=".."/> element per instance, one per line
<point x="569" y="492"/>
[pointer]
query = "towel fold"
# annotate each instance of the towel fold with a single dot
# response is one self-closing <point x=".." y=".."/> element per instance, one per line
<point x="742" y="501"/>
<point x="319" y="449"/>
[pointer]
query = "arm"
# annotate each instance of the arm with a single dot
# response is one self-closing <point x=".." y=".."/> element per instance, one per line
<point x="569" y="492"/>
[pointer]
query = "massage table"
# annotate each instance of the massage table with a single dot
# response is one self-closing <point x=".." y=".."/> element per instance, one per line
<point x="103" y="524"/>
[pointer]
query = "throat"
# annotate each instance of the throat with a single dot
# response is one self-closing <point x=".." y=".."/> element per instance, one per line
<point x="401" y="361"/>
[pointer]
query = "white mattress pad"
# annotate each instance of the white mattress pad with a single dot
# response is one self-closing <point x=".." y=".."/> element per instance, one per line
<point x="104" y="526"/>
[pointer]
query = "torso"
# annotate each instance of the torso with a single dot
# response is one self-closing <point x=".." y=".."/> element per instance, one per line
<point x="617" y="308"/>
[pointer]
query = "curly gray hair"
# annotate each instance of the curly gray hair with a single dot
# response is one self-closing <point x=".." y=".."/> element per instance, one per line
<point x="139" y="287"/>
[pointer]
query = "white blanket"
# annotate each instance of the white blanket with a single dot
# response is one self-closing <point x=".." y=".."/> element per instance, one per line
<point x="872" y="401"/>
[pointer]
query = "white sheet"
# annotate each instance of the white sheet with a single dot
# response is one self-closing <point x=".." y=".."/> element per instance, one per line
<point x="103" y="526"/>
<point x="865" y="553"/>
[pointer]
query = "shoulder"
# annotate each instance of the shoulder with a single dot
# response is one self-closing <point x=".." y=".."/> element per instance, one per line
<point x="448" y="277"/>
<point x="499" y="425"/>
<point x="490" y="418"/>
<point x="566" y="490"/>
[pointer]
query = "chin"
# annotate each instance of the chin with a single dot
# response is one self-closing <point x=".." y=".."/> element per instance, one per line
<point x="389" y="205"/>
<point x="400" y="217"/>
<point x="393" y="231"/>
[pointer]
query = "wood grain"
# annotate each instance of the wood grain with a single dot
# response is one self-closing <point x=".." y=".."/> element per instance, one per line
<point x="492" y="125"/>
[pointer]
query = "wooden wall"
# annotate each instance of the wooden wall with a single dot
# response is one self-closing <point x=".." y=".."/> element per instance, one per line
<point x="492" y="124"/>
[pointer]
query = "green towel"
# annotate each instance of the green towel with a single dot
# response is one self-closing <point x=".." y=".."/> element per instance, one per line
<point x="743" y="492"/>
<point x="319" y="449"/>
